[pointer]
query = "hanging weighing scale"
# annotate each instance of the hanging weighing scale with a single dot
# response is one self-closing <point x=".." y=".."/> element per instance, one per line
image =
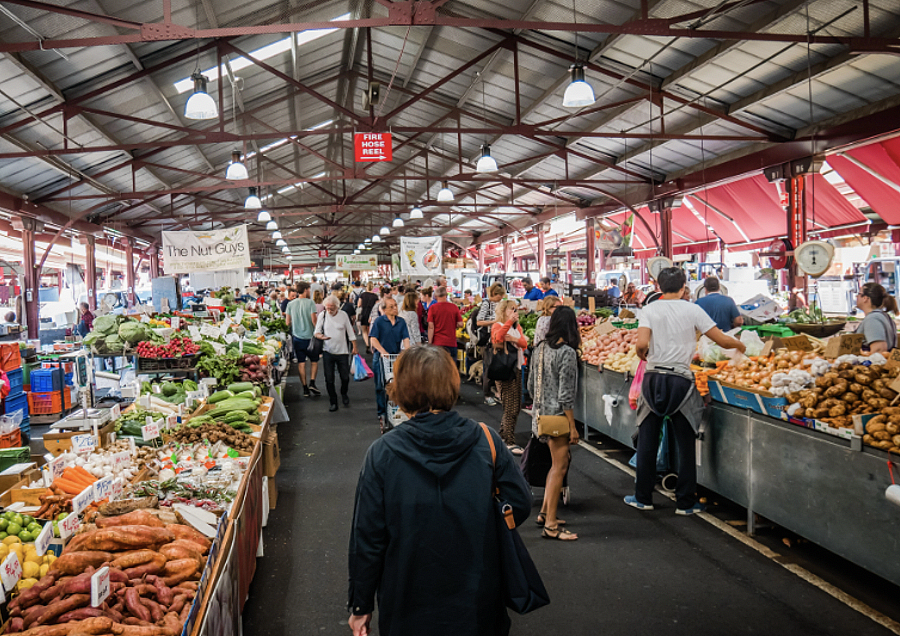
<point x="813" y="258"/>
<point x="657" y="264"/>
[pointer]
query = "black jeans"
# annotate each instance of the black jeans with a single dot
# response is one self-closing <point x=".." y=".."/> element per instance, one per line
<point x="647" y="448"/>
<point x="342" y="362"/>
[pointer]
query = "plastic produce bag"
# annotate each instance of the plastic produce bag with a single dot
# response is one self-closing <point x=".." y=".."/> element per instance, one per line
<point x="635" y="392"/>
<point x="709" y="351"/>
<point x="361" y="370"/>
<point x="753" y="343"/>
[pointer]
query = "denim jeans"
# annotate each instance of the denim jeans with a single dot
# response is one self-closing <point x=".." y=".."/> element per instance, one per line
<point x="380" y="394"/>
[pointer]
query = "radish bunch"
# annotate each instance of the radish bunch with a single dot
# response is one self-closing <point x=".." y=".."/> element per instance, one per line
<point x="175" y="348"/>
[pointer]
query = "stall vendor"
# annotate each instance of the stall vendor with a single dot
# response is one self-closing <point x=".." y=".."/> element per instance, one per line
<point x="531" y="292"/>
<point x="878" y="327"/>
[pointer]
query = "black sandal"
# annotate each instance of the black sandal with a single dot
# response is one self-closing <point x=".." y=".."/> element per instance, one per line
<point x="560" y="535"/>
<point x="542" y="518"/>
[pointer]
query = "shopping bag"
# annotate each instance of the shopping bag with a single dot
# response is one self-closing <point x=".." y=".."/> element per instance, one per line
<point x="353" y="366"/>
<point x="369" y="373"/>
<point x="635" y="392"/>
<point x="536" y="463"/>
<point x="360" y="369"/>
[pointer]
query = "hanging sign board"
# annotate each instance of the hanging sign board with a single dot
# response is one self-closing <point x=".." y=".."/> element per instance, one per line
<point x="420" y="256"/>
<point x="360" y="261"/>
<point x="210" y="251"/>
<point x="323" y="253"/>
<point x="372" y="147"/>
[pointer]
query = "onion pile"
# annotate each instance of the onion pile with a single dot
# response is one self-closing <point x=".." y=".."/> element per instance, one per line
<point x="598" y="348"/>
<point x="756" y="374"/>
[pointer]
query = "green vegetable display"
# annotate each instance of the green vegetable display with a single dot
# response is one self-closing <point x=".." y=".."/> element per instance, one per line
<point x="134" y="332"/>
<point x="528" y="321"/>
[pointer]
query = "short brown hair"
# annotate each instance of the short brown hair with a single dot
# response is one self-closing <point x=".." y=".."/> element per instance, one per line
<point x="425" y="379"/>
<point x="495" y="289"/>
<point x="409" y="301"/>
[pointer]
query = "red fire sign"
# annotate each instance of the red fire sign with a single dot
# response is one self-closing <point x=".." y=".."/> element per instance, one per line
<point x="372" y="146"/>
<point x="323" y="253"/>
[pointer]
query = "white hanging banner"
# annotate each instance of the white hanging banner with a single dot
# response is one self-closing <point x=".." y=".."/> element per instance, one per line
<point x="206" y="251"/>
<point x="420" y="256"/>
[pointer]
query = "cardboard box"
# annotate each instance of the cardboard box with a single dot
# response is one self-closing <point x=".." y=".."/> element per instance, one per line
<point x="273" y="493"/>
<point x="17" y="473"/>
<point x="271" y="453"/>
<point x="760" y="309"/>
<point x="740" y="397"/>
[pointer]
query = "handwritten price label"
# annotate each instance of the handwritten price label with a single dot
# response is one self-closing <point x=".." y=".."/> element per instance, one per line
<point x="121" y="459"/>
<point x="239" y="315"/>
<point x="83" y="443"/>
<point x="43" y="539"/>
<point x="82" y="500"/>
<point x="69" y="525"/>
<point x="150" y="431"/>
<point x="116" y="489"/>
<point x="11" y="571"/>
<point x="99" y="586"/>
<point x="102" y="488"/>
<point x="210" y="332"/>
<point x="57" y="466"/>
<point x="115" y="412"/>
<point x="171" y="420"/>
<point x="175" y="322"/>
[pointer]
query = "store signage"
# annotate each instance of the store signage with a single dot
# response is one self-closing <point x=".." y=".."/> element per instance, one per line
<point x="359" y="261"/>
<point x="797" y="343"/>
<point x="209" y="251"/>
<point x="11" y="571"/>
<point x="372" y="147"/>
<point x="323" y="253"/>
<point x="847" y="344"/>
<point x="421" y="256"/>
<point x="99" y="586"/>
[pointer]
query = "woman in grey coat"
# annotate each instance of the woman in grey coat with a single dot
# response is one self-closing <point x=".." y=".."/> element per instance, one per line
<point x="555" y="362"/>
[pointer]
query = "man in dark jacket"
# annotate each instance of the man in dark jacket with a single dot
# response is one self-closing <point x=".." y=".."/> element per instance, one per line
<point x="424" y="534"/>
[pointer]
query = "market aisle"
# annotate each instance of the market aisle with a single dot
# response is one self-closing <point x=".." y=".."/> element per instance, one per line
<point x="630" y="572"/>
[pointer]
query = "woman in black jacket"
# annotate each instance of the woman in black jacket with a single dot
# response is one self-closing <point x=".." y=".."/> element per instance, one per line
<point x="424" y="536"/>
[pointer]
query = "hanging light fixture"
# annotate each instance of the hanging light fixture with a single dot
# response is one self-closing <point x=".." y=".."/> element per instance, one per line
<point x="398" y="222"/>
<point x="200" y="105"/>
<point x="361" y="246"/>
<point x="285" y="249"/>
<point x="376" y="239"/>
<point x="271" y="225"/>
<point x="281" y="242"/>
<point x="416" y="213"/>
<point x="367" y="241"/>
<point x="276" y="235"/>
<point x="263" y="217"/>
<point x="290" y="257"/>
<point x="486" y="163"/>
<point x="579" y="93"/>
<point x="236" y="171"/>
<point x="252" y="201"/>
<point x="446" y="194"/>
<point x="385" y="230"/>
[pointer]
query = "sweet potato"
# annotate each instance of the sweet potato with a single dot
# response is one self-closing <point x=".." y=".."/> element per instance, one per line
<point x="155" y="566"/>
<point x="33" y="594"/>
<point x="133" y="558"/>
<point x="117" y="576"/>
<point x="121" y="538"/>
<point x="134" y="605"/>
<point x="80" y="584"/>
<point x="181" y="549"/>
<point x="172" y="622"/>
<point x="164" y="593"/>
<point x="180" y="570"/>
<point x="30" y="615"/>
<point x="80" y="614"/>
<point x="186" y="532"/>
<point x="75" y="563"/>
<point x="156" y="612"/>
<point x="145" y="630"/>
<point x="134" y="518"/>
<point x="98" y="625"/>
<point x="15" y="625"/>
<point x="57" y="609"/>
<point x="185" y="612"/>
<point x="178" y="604"/>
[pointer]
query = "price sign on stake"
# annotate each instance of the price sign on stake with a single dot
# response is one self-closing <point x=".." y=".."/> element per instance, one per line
<point x="797" y="343"/>
<point x="43" y="539"/>
<point x="150" y="431"/>
<point x="99" y="586"/>
<point x="56" y="467"/>
<point x="603" y="328"/>
<point x="115" y="412"/>
<point x="171" y="420"/>
<point x="11" y="571"/>
<point x="175" y="322"/>
<point x="82" y="500"/>
<point x="116" y="489"/>
<point x="102" y="488"/>
<point x="69" y="525"/>
<point x="83" y="443"/>
<point x="239" y="315"/>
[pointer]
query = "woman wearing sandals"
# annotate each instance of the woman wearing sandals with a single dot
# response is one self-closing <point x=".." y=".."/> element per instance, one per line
<point x="553" y="381"/>
<point x="506" y="333"/>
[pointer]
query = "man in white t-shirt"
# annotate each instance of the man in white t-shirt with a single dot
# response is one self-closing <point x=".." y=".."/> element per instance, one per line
<point x="667" y="338"/>
<point x="335" y="329"/>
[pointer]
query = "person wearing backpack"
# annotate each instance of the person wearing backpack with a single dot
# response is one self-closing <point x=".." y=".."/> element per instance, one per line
<point x="485" y="319"/>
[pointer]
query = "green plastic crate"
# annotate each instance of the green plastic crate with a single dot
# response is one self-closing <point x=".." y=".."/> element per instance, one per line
<point x="12" y="456"/>
<point x="779" y="331"/>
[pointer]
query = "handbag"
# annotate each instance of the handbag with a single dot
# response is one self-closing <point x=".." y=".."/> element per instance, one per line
<point x="523" y="589"/>
<point x="537" y="461"/>
<point x="549" y="425"/>
<point x="316" y="345"/>
<point x="503" y="364"/>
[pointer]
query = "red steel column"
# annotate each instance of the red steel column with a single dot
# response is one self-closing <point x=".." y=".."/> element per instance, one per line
<point x="796" y="225"/>
<point x="32" y="281"/>
<point x="129" y="271"/>
<point x="590" y="246"/>
<point x="154" y="262"/>
<point x="90" y="256"/>
<point x="569" y="267"/>
<point x="507" y="254"/>
<point x="542" y="251"/>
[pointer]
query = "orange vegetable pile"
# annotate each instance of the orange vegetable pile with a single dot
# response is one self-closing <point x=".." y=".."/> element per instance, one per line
<point x="74" y="480"/>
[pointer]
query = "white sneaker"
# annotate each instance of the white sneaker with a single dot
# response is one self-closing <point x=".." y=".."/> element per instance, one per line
<point x="490" y="401"/>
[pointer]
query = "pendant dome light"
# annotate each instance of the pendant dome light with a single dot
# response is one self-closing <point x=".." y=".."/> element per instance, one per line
<point x="252" y="201"/>
<point x="281" y="242"/>
<point x="271" y="226"/>
<point x="579" y="93"/>
<point x="285" y="249"/>
<point x="416" y="213"/>
<point x="398" y="222"/>
<point x="446" y="194"/>
<point x="290" y="257"/>
<point x="376" y="239"/>
<point x="385" y="230"/>
<point x="486" y="163"/>
<point x="367" y="241"/>
<point x="276" y="235"/>
<point x="359" y="247"/>
<point x="263" y="217"/>
<point x="236" y="171"/>
<point x="200" y="105"/>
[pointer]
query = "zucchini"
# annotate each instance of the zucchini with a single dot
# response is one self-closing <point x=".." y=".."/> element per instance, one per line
<point x="219" y="396"/>
<point x="257" y="390"/>
<point x="250" y="395"/>
<point x="235" y="416"/>
<point x="239" y="387"/>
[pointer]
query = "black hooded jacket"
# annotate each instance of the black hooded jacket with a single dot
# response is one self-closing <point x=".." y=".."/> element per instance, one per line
<point x="424" y="536"/>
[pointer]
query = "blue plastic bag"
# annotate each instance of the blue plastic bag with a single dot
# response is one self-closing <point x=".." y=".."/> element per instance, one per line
<point x="360" y="369"/>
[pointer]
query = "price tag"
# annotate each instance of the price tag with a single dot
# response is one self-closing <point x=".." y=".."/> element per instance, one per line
<point x="603" y="328"/>
<point x="192" y="398"/>
<point x="239" y="315"/>
<point x="102" y="488"/>
<point x="121" y="459"/>
<point x="232" y="337"/>
<point x="797" y="343"/>
<point x="83" y="443"/>
<point x="767" y="349"/>
<point x="195" y="332"/>
<point x="56" y="467"/>
<point x="116" y="489"/>
<point x="84" y="499"/>
<point x="133" y="447"/>
<point x="893" y="359"/>
<point x="226" y="324"/>
<point x="11" y="571"/>
<point x="209" y="331"/>
<point x="99" y="586"/>
<point x="43" y="539"/>
<point x="204" y="389"/>
<point x="150" y="431"/>
<point x="258" y="325"/>
<point x="69" y="525"/>
<point x="171" y="420"/>
<point x="115" y="412"/>
<point x="145" y="401"/>
<point x="847" y="344"/>
<point x="218" y="348"/>
<point x="176" y="322"/>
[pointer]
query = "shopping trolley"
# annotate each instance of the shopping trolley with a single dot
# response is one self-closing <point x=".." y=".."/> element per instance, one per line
<point x="394" y="415"/>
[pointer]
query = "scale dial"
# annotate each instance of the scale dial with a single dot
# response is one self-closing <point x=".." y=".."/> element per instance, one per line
<point x="656" y="264"/>
<point x="814" y="258"/>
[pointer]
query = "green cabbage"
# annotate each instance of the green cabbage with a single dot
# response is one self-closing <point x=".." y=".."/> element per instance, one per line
<point x="134" y="332"/>
<point x="105" y="325"/>
<point x="91" y="338"/>
<point x="114" y="344"/>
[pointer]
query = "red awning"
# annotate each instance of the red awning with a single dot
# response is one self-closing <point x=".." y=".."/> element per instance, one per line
<point x="753" y="203"/>
<point x="832" y="209"/>
<point x="882" y="158"/>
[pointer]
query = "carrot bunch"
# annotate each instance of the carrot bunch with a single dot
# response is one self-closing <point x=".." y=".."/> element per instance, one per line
<point x="74" y="480"/>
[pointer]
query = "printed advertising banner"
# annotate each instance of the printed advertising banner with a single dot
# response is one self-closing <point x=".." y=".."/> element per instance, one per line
<point x="206" y="251"/>
<point x="359" y="261"/>
<point x="420" y="256"/>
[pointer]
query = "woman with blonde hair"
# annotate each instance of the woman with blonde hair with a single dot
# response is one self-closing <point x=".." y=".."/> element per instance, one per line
<point x="506" y="334"/>
<point x="318" y="298"/>
<point x="548" y="304"/>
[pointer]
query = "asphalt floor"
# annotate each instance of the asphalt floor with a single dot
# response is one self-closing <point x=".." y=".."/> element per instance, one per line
<point x="629" y="573"/>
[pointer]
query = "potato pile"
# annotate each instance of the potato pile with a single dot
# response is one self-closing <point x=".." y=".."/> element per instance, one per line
<point x="883" y="430"/>
<point x="845" y="391"/>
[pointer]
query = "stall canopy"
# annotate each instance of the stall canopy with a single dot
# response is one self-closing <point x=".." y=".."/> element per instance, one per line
<point x="873" y="171"/>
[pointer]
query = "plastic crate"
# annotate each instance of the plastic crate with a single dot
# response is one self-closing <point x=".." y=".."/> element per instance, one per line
<point x="25" y="430"/>
<point x="395" y="415"/>
<point x="67" y="398"/>
<point x="387" y="363"/>
<point x="45" y="403"/>
<point x="16" y="377"/>
<point x="11" y="440"/>
<point x="17" y="403"/>
<point x="12" y="456"/>
<point x="46" y="380"/>
<point x="10" y="358"/>
<point x="166" y="364"/>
